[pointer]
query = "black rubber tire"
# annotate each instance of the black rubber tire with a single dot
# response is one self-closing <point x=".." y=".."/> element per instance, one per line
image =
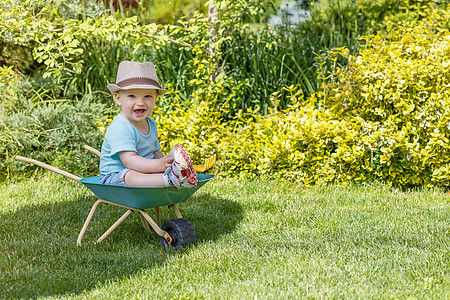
<point x="181" y="231"/>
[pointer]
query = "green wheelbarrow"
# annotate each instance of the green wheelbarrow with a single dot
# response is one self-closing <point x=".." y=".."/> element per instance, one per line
<point x="175" y="233"/>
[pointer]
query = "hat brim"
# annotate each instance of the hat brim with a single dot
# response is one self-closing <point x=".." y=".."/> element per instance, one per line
<point x="115" y="88"/>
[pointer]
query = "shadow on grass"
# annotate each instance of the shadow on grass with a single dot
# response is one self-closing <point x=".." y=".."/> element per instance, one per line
<point x="39" y="256"/>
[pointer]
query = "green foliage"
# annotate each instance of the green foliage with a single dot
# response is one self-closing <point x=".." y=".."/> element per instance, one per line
<point x="163" y="11"/>
<point x="84" y="52"/>
<point x="368" y="123"/>
<point x="337" y="23"/>
<point x="197" y="124"/>
<point x="18" y="56"/>
<point x="50" y="131"/>
<point x="291" y="144"/>
<point x="80" y="38"/>
<point x="414" y="10"/>
<point x="261" y="63"/>
<point x="397" y="118"/>
<point x="16" y="42"/>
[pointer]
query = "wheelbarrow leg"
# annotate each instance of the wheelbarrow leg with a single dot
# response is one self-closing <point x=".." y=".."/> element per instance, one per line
<point x="158" y="216"/>
<point x="114" y="226"/>
<point x="144" y="222"/>
<point x="145" y="218"/>
<point x="155" y="226"/>
<point x="111" y="229"/>
<point x="176" y="211"/>
<point x="88" y="220"/>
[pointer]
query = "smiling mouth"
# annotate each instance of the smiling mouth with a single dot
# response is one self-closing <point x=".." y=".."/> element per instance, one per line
<point x="139" y="111"/>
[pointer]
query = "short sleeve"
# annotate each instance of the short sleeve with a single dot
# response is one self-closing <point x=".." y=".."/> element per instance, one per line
<point x="122" y="137"/>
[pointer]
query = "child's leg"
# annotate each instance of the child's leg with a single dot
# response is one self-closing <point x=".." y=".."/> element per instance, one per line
<point x="138" y="179"/>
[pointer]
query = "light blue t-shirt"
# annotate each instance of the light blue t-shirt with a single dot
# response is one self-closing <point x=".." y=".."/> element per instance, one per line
<point x="120" y="136"/>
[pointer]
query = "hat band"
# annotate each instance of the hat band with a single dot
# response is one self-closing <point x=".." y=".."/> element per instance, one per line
<point x="138" y="80"/>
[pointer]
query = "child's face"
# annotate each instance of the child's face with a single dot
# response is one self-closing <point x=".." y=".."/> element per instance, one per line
<point x="136" y="104"/>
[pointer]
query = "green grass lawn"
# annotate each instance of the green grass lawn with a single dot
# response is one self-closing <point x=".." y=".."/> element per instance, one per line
<point x="255" y="240"/>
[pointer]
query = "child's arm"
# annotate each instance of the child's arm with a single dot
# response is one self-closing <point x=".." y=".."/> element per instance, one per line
<point x="144" y="165"/>
<point x="158" y="154"/>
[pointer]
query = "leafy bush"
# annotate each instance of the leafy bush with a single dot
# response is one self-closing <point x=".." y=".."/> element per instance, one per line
<point x="397" y="119"/>
<point x="287" y="143"/>
<point x="368" y="123"/>
<point x="50" y="131"/>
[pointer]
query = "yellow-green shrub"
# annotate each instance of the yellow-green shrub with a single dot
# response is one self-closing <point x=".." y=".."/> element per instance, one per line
<point x="383" y="117"/>
<point x="397" y="94"/>
<point x="294" y="143"/>
<point x="197" y="124"/>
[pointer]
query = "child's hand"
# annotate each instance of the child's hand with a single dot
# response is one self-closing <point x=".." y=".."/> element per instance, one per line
<point x="168" y="160"/>
<point x="165" y="161"/>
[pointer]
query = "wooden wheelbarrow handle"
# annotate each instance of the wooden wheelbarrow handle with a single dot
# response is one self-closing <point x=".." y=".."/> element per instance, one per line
<point x="93" y="150"/>
<point x="48" y="167"/>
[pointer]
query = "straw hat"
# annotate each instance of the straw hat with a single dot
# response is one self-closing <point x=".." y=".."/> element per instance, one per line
<point x="136" y="75"/>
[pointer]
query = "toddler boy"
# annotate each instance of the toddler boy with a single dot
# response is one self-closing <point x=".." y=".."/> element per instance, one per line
<point x="131" y="154"/>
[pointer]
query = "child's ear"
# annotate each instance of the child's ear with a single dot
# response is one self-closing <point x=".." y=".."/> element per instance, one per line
<point x="117" y="98"/>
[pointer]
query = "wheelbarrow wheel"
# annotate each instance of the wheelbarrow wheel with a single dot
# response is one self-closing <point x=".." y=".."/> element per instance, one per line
<point x="181" y="231"/>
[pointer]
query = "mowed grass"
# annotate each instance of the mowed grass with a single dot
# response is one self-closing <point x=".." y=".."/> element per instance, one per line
<point x="255" y="240"/>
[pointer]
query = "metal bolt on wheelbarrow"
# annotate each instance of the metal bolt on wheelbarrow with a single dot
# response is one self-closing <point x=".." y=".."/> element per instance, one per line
<point x="174" y="233"/>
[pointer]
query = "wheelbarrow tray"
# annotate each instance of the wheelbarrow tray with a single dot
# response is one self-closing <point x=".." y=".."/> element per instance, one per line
<point x="139" y="197"/>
